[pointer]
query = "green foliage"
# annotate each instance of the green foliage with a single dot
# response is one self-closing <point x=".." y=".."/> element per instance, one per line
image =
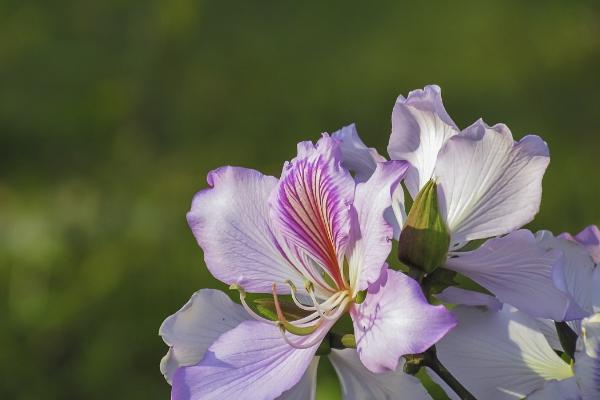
<point x="112" y="112"/>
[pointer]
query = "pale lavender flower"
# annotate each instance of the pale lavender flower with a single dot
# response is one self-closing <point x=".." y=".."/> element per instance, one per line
<point x="505" y="354"/>
<point x="316" y="234"/>
<point x="500" y="355"/>
<point x="488" y="185"/>
<point x="210" y="313"/>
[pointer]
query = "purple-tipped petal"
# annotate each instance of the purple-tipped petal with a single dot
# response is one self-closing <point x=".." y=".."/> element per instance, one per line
<point x="577" y="271"/>
<point x="420" y="127"/>
<point x="230" y="221"/>
<point x="488" y="184"/>
<point x="499" y="355"/>
<point x="395" y="319"/>
<point x="358" y="383"/>
<point x="519" y="272"/>
<point x="194" y="328"/>
<point x="455" y="295"/>
<point x="356" y="156"/>
<point x="251" y="359"/>
<point x="588" y="238"/>
<point x="312" y="203"/>
<point x="373" y="242"/>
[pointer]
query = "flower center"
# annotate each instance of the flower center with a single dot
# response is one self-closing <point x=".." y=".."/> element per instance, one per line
<point x="314" y="312"/>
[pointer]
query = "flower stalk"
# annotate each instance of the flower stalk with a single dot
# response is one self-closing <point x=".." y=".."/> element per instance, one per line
<point x="415" y="362"/>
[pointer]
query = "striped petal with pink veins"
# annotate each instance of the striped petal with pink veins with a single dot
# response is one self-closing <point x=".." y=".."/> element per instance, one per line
<point x="311" y="208"/>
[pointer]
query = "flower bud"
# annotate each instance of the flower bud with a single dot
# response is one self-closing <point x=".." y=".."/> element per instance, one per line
<point x="424" y="239"/>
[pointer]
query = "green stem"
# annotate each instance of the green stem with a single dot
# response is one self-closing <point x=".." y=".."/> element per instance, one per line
<point x="429" y="359"/>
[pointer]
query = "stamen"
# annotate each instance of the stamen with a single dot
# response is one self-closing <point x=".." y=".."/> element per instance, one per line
<point x="340" y="310"/>
<point x="293" y="294"/>
<point x="285" y="324"/>
<point x="319" y="307"/>
<point x="247" y="307"/>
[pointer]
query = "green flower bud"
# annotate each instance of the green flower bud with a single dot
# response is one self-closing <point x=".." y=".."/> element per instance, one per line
<point x="424" y="239"/>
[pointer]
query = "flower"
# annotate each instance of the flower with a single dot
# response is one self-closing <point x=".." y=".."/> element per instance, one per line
<point x="210" y="313"/>
<point x="487" y="185"/>
<point x="502" y="353"/>
<point x="319" y="235"/>
<point x="507" y="354"/>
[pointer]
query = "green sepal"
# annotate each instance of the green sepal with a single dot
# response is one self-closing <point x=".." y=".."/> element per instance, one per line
<point x="424" y="239"/>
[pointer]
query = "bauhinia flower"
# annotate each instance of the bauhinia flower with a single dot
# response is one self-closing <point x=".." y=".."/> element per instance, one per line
<point x="474" y="184"/>
<point x="505" y="354"/>
<point x="319" y="236"/>
<point x="210" y="313"/>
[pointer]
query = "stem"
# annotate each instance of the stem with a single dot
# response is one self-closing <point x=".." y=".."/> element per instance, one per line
<point x="429" y="359"/>
<point x="567" y="338"/>
<point x="434" y="363"/>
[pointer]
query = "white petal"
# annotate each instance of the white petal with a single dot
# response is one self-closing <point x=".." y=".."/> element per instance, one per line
<point x="398" y="215"/>
<point x="420" y="127"/>
<point x="499" y="355"/>
<point x="396" y="319"/>
<point x="519" y="272"/>
<point x="306" y="388"/>
<point x="590" y="332"/>
<point x="587" y="371"/>
<point x="488" y="184"/>
<point x="358" y="383"/>
<point x="231" y="223"/>
<point x="548" y="328"/>
<point x="251" y="359"/>
<point x="356" y="156"/>
<point x="455" y="295"/>
<point x="557" y="390"/>
<point x="578" y="267"/>
<point x="192" y="330"/>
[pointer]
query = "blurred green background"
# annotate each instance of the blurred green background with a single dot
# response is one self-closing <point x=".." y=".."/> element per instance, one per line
<point x="112" y="112"/>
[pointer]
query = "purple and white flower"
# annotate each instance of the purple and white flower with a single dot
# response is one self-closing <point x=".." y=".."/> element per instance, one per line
<point x="319" y="235"/>
<point x="488" y="185"/>
<point x="506" y="354"/>
<point x="210" y="313"/>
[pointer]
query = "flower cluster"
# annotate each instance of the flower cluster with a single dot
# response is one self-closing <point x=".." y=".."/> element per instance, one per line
<point x="309" y="254"/>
